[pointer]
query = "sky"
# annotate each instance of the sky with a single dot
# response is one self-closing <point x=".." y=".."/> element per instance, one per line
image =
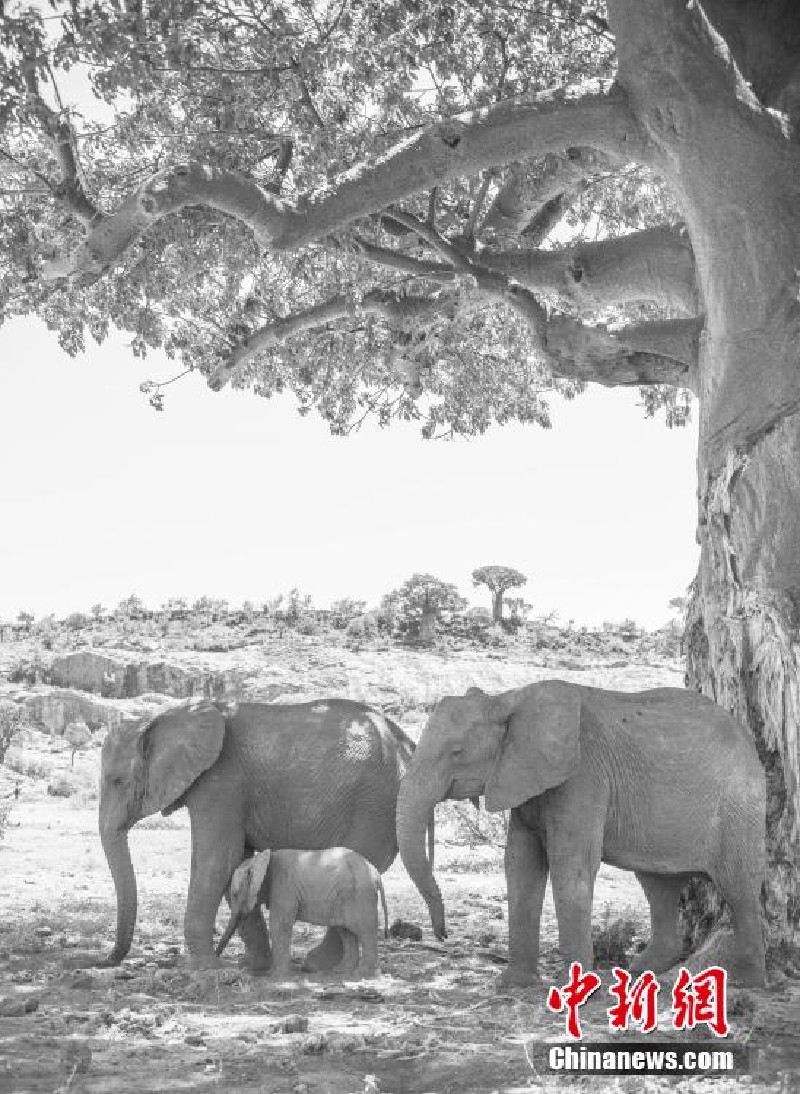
<point x="233" y="496"/>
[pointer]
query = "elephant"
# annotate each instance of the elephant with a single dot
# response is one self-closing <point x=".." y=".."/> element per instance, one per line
<point x="336" y="887"/>
<point x="253" y="776"/>
<point x="663" y="782"/>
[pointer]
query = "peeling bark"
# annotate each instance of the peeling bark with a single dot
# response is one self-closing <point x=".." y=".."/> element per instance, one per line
<point x="733" y="167"/>
<point x="743" y="647"/>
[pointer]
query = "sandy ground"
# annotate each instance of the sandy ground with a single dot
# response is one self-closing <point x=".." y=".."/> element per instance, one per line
<point x="433" y="1020"/>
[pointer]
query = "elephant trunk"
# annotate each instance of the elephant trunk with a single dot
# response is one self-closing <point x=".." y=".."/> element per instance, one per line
<point x="227" y="934"/>
<point x="118" y="856"/>
<point x="415" y="803"/>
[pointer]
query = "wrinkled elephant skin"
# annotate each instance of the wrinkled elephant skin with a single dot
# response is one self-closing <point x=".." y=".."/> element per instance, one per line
<point x="253" y="776"/>
<point x="662" y="782"/>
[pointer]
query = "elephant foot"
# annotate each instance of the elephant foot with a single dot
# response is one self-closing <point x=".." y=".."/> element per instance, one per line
<point x="202" y="962"/>
<point x="655" y="958"/>
<point x="517" y="976"/>
<point x="256" y="965"/>
<point x="747" y="973"/>
<point x="327" y="955"/>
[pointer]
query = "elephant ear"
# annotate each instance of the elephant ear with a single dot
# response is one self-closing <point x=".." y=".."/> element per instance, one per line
<point x="256" y="872"/>
<point x="541" y="745"/>
<point x="177" y="747"/>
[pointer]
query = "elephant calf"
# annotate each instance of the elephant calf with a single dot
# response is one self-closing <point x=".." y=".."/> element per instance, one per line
<point x="336" y="887"/>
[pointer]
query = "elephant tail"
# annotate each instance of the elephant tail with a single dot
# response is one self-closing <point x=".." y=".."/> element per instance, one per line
<point x="382" y="892"/>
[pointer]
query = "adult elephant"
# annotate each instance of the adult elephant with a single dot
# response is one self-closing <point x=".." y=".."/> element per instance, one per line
<point x="663" y="782"/>
<point x="253" y="776"/>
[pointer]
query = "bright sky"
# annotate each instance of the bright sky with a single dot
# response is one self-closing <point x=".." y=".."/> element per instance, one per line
<point x="233" y="496"/>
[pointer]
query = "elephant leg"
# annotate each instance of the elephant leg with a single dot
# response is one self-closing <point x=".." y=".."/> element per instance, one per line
<point x="744" y="899"/>
<point x="572" y="873"/>
<point x="281" y="925"/>
<point x="368" y="941"/>
<point x="526" y="880"/>
<point x="328" y="954"/>
<point x="213" y="862"/>
<point x="254" y="934"/>
<point x="349" y="962"/>
<point x="663" y="892"/>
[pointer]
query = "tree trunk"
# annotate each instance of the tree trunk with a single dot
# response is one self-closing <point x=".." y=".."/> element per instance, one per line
<point x="427" y="627"/>
<point x="742" y="644"/>
<point x="733" y="166"/>
<point x="497" y="606"/>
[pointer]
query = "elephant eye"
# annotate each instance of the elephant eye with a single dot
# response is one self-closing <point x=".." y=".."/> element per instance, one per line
<point x="457" y="750"/>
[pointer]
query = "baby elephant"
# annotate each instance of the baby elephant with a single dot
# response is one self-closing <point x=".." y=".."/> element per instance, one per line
<point x="336" y="887"/>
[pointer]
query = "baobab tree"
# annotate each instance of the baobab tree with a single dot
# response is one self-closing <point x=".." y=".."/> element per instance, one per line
<point x="498" y="579"/>
<point x="442" y="211"/>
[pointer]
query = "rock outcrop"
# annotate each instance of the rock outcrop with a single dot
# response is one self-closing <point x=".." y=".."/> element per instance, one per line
<point x="89" y="671"/>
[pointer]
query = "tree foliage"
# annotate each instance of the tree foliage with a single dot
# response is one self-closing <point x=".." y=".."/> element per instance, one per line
<point x="498" y="579"/>
<point x="421" y="600"/>
<point x="289" y="96"/>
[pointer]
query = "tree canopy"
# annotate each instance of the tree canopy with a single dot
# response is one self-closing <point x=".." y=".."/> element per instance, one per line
<point x="498" y="579"/>
<point x="207" y="202"/>
<point x="442" y="211"/>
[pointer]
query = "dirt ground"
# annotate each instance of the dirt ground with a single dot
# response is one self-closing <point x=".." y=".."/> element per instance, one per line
<point x="432" y="1021"/>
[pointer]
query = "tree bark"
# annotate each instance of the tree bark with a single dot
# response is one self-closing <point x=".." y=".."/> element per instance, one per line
<point x="734" y="170"/>
<point x="497" y="606"/>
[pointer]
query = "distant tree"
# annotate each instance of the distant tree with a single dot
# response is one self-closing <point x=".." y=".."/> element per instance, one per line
<point x="97" y="611"/>
<point x="422" y="600"/>
<point x="498" y="579"/>
<point x="518" y="606"/>
<point x="25" y="619"/>
<point x="298" y="605"/>
<point x="131" y="607"/>
<point x="203" y="608"/>
<point x="219" y="609"/>
<point x="176" y="607"/>
<point x="346" y="610"/>
<point x="248" y="610"/>
<point x="76" y="621"/>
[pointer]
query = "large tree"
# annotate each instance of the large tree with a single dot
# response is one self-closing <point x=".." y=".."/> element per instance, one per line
<point x="440" y="210"/>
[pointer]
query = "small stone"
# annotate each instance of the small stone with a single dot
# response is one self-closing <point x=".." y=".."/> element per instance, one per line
<point x="401" y="928"/>
<point x="295" y="1023"/>
<point x="196" y="1040"/>
<point x="123" y="974"/>
<point x="167" y="962"/>
<point x="313" y="1045"/>
<point x="43" y="932"/>
<point x="83" y="981"/>
<point x="15" y="1007"/>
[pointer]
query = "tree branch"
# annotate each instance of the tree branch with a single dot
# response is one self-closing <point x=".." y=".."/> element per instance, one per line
<point x="459" y="146"/>
<point x="435" y="271"/>
<point x="393" y="306"/>
<point x="70" y="190"/>
<point x="655" y="264"/>
<point x="529" y="188"/>
<point x="650" y="353"/>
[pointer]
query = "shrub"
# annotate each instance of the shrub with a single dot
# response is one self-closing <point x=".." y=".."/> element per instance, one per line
<point x="306" y="624"/>
<point x="361" y="629"/>
<point x="613" y="939"/>
<point x="11" y="718"/>
<point x="5" y="810"/>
